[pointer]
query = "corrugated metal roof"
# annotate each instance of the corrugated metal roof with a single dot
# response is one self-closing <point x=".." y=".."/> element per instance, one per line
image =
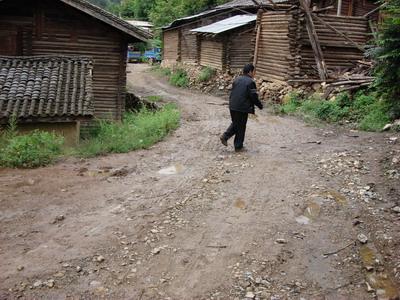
<point x="227" y="24"/>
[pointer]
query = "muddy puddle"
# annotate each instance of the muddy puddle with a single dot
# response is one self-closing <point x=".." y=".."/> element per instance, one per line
<point x="380" y="281"/>
<point x="239" y="203"/>
<point x="172" y="170"/>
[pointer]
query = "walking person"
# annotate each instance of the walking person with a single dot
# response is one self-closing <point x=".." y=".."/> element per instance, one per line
<point x="242" y="100"/>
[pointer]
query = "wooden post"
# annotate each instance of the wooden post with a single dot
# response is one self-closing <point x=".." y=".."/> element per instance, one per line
<point x="339" y="7"/>
<point x="312" y="34"/>
<point x="259" y="17"/>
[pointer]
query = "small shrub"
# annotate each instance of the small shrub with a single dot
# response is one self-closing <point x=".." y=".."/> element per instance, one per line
<point x="31" y="150"/>
<point x="206" y="74"/>
<point x="376" y="117"/>
<point x="179" y="78"/>
<point x="292" y="104"/>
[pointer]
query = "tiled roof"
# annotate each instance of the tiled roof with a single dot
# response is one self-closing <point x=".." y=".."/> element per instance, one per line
<point x="45" y="87"/>
<point x="227" y="24"/>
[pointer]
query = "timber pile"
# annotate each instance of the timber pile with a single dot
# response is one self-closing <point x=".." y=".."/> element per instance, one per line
<point x="351" y="80"/>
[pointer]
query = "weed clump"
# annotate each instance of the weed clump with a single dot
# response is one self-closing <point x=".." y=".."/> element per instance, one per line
<point x="31" y="150"/>
<point x="206" y="74"/>
<point x="136" y="131"/>
<point x="367" y="110"/>
<point x="179" y="78"/>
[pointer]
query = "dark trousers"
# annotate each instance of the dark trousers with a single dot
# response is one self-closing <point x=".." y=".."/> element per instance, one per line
<point x="237" y="128"/>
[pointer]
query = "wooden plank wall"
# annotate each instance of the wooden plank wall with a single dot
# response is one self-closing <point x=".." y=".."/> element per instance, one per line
<point x="212" y="53"/>
<point x="56" y="29"/>
<point x="188" y="45"/>
<point x="338" y="53"/>
<point x="274" y="54"/>
<point x="241" y="49"/>
<point x="171" y="46"/>
<point x="285" y="51"/>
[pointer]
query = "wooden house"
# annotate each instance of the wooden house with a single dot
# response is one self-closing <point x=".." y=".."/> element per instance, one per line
<point x="65" y="29"/>
<point x="227" y="45"/>
<point x="180" y="45"/>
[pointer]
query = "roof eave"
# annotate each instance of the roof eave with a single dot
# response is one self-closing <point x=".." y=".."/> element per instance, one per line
<point x="133" y="32"/>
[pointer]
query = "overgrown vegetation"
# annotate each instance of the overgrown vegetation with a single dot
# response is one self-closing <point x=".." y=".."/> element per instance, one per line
<point x="206" y="74"/>
<point x="179" y="77"/>
<point x="387" y="56"/>
<point x="31" y="150"/>
<point x="136" y="131"/>
<point x="364" y="109"/>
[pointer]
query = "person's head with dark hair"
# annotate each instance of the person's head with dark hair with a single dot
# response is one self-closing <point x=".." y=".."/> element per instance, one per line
<point x="249" y="70"/>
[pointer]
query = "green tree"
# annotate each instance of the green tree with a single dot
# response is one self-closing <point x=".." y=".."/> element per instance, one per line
<point x="387" y="56"/>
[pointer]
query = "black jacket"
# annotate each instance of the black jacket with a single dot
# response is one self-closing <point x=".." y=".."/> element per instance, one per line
<point x="244" y="95"/>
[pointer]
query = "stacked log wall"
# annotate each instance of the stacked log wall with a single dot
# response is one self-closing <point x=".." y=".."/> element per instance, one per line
<point x="338" y="52"/>
<point x="285" y="51"/>
<point x="171" y="52"/>
<point x="275" y="59"/>
<point x="241" y="48"/>
<point x="212" y="53"/>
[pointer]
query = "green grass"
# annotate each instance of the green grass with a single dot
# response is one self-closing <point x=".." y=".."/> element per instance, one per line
<point x="31" y="150"/>
<point x="365" y="109"/>
<point x="136" y="131"/>
<point x="154" y="98"/>
<point x="206" y="74"/>
<point x="179" y="78"/>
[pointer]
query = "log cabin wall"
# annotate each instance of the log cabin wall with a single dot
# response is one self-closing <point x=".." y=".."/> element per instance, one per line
<point x="355" y="8"/>
<point x="338" y="53"/>
<point x="181" y="45"/>
<point x="171" y="52"/>
<point x="275" y="60"/>
<point x="212" y="53"/>
<point x="52" y="28"/>
<point x="240" y="49"/>
<point x="285" y="51"/>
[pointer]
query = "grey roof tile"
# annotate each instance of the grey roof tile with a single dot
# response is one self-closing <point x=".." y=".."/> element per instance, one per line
<point x="43" y="87"/>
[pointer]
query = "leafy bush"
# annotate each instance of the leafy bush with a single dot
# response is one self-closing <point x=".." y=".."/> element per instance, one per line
<point x="137" y="131"/>
<point x="31" y="150"/>
<point x="387" y="56"/>
<point x="206" y="74"/>
<point x="376" y="118"/>
<point x="365" y="109"/>
<point x="293" y="102"/>
<point x="179" y="78"/>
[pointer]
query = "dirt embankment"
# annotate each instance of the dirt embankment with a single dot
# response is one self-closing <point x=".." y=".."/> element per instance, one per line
<point x="190" y="219"/>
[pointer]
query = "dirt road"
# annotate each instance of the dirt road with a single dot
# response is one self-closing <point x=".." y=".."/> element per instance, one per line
<point x="190" y="219"/>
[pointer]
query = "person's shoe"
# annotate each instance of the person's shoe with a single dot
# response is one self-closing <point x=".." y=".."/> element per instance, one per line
<point x="223" y="140"/>
<point x="242" y="149"/>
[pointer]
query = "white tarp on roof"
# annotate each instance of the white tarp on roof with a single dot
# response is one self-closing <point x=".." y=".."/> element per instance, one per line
<point x="227" y="24"/>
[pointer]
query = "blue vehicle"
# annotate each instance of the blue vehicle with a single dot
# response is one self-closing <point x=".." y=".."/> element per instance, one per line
<point x="152" y="55"/>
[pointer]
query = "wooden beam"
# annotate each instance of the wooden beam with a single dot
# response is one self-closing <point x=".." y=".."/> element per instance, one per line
<point x="339" y="7"/>
<point x="259" y="17"/>
<point x="375" y="10"/>
<point x="338" y="32"/>
<point x="312" y="33"/>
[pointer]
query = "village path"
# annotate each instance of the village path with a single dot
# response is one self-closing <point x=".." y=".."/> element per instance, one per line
<point x="190" y="219"/>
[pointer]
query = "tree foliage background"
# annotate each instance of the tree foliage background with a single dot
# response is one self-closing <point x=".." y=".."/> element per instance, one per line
<point x="387" y="56"/>
<point x="159" y="12"/>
